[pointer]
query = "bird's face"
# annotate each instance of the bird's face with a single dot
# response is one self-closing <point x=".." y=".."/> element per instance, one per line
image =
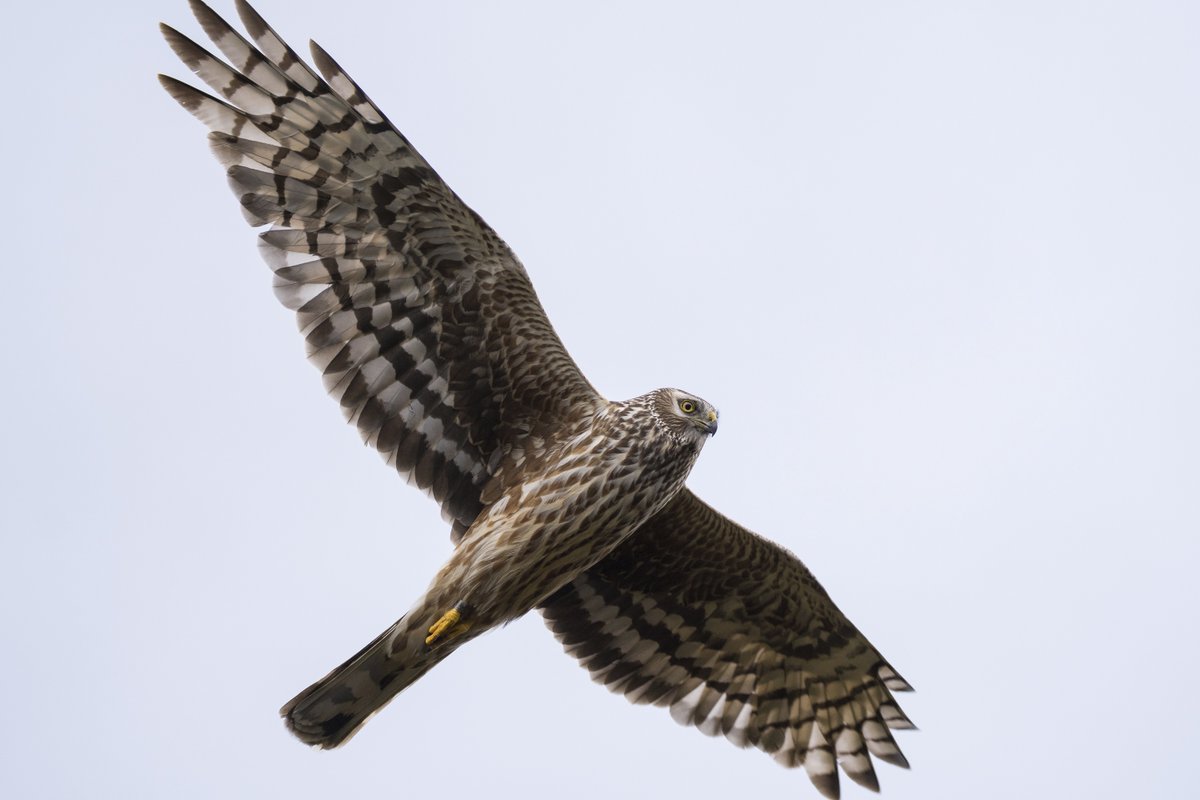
<point x="688" y="416"/>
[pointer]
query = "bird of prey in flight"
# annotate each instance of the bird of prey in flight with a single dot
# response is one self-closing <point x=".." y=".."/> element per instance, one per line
<point x="427" y="331"/>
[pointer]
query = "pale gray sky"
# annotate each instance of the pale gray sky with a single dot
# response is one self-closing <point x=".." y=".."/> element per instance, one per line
<point x="937" y="263"/>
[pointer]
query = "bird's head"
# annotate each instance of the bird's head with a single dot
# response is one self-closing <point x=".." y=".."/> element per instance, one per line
<point x="685" y="416"/>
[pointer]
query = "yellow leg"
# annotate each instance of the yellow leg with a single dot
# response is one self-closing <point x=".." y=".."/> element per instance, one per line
<point x="449" y="625"/>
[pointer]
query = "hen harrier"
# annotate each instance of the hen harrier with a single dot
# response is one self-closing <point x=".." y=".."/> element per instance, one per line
<point x="427" y="331"/>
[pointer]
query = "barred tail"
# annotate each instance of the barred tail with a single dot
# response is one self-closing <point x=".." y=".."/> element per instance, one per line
<point x="332" y="710"/>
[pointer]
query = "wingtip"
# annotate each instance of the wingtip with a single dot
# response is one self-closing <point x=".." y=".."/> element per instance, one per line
<point x="170" y="33"/>
<point x="187" y="96"/>
<point x="827" y="784"/>
<point x="190" y="53"/>
<point x="209" y="20"/>
<point x="256" y="26"/>
<point x="321" y="58"/>
<point x="866" y="779"/>
<point x="174" y="86"/>
<point x="893" y="680"/>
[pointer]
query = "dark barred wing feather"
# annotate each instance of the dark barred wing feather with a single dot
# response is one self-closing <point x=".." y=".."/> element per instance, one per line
<point x="736" y="637"/>
<point x="424" y="325"/>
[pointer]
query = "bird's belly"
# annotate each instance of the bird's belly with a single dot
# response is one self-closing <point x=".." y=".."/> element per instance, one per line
<point x="527" y="548"/>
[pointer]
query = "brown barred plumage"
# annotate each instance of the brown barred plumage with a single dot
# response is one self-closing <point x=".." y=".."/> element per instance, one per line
<point x="428" y="332"/>
<point x="735" y="636"/>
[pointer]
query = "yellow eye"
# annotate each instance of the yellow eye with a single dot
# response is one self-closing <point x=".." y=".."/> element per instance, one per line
<point x="687" y="406"/>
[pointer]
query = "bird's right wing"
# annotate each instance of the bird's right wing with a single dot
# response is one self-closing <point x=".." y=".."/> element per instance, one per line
<point x="424" y="325"/>
<point x="735" y="636"/>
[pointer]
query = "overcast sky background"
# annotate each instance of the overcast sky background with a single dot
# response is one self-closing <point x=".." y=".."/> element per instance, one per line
<point x="937" y="264"/>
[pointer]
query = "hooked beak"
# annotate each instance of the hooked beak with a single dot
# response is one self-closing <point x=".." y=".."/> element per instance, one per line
<point x="711" y="427"/>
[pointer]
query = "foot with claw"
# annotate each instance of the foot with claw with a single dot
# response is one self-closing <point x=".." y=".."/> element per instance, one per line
<point x="448" y="626"/>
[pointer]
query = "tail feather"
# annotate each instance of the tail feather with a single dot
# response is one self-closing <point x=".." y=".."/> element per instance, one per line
<point x="332" y="710"/>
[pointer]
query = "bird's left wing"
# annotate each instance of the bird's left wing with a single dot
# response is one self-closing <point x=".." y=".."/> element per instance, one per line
<point x="424" y="325"/>
<point x="735" y="636"/>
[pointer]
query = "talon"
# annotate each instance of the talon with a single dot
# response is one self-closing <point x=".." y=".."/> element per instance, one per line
<point x="449" y="625"/>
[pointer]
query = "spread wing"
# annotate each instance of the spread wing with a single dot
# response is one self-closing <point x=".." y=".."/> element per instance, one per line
<point x="736" y="637"/>
<point x="423" y="323"/>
